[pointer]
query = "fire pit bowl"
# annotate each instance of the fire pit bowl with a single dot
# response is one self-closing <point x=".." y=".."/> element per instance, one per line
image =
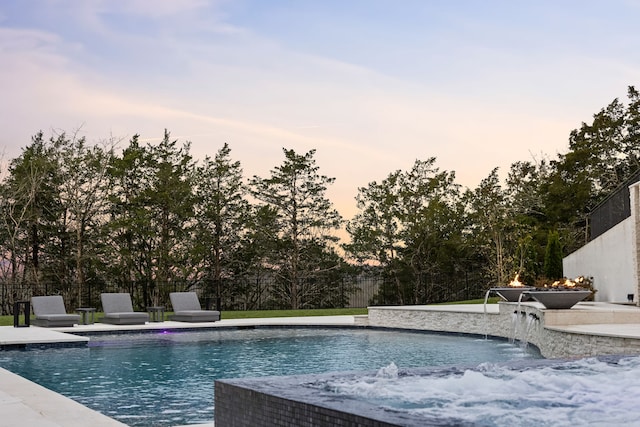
<point x="558" y="299"/>
<point x="511" y="293"/>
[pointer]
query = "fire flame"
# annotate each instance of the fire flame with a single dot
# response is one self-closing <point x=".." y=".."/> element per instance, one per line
<point x="577" y="283"/>
<point x="515" y="283"/>
<point x="567" y="283"/>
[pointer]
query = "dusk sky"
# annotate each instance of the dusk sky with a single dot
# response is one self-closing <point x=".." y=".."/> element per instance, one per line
<point x="372" y="85"/>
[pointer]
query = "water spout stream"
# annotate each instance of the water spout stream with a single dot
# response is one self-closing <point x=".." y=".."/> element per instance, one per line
<point x="486" y="319"/>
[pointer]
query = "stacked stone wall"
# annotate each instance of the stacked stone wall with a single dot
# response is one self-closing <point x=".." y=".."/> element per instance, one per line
<point x="519" y="323"/>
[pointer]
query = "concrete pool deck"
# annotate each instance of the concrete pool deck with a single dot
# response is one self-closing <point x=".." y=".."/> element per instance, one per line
<point x="24" y="403"/>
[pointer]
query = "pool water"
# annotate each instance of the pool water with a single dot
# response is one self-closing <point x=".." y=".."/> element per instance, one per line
<point x="585" y="392"/>
<point x="167" y="379"/>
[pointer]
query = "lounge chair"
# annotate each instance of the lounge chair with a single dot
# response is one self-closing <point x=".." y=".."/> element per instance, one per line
<point x="118" y="310"/>
<point x="186" y="308"/>
<point x="50" y="312"/>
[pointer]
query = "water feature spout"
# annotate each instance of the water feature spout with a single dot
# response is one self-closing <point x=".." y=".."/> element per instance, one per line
<point x="486" y="319"/>
<point x="515" y="321"/>
<point x="523" y="324"/>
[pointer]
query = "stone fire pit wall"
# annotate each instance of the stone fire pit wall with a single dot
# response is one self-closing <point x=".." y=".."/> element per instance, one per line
<point x="546" y="329"/>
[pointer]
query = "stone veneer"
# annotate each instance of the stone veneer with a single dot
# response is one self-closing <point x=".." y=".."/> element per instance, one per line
<point x="546" y="329"/>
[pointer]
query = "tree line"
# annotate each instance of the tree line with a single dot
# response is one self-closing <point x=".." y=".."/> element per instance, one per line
<point x="91" y="216"/>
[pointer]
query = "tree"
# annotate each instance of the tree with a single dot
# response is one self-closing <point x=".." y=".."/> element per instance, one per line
<point x="252" y="265"/>
<point x="31" y="210"/>
<point x="170" y="202"/>
<point x="84" y="193"/>
<point x="490" y="221"/>
<point x="529" y="223"/>
<point x="305" y="220"/>
<point x="221" y="216"/>
<point x="128" y="230"/>
<point x="602" y="155"/>
<point x="375" y="230"/>
<point x="28" y="210"/>
<point x="431" y="215"/>
<point x="151" y="214"/>
<point x="410" y="225"/>
<point x="553" y="257"/>
<point x="53" y="207"/>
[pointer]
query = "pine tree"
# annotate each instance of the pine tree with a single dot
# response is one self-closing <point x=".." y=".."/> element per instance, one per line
<point x="553" y="257"/>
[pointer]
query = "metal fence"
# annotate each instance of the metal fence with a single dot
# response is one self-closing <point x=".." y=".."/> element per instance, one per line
<point x="612" y="210"/>
<point x="355" y="292"/>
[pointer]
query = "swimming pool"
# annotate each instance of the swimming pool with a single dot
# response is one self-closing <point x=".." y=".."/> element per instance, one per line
<point x="167" y="378"/>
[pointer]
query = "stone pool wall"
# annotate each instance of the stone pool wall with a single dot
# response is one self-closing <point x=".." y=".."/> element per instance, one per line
<point x="526" y="322"/>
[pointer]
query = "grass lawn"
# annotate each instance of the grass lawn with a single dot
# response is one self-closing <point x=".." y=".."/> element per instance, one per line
<point x="492" y="300"/>
<point x="8" y="320"/>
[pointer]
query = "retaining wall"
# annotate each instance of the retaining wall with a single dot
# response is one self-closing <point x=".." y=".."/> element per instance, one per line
<point x="526" y="322"/>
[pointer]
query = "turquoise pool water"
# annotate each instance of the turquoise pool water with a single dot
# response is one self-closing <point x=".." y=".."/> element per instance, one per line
<point x="167" y="379"/>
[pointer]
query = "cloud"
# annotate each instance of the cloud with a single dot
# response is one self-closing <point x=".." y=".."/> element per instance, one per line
<point x="364" y="124"/>
<point x="155" y="9"/>
<point x="212" y="77"/>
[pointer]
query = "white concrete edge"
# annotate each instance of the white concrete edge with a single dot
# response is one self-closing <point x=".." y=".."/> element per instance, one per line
<point x="25" y="403"/>
<point x="622" y="330"/>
